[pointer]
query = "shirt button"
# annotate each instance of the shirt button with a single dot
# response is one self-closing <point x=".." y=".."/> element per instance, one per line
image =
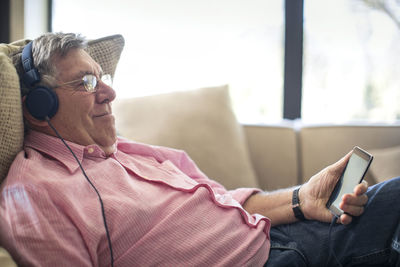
<point x="91" y="150"/>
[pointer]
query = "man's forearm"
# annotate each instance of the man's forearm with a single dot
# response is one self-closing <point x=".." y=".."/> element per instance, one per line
<point x="276" y="205"/>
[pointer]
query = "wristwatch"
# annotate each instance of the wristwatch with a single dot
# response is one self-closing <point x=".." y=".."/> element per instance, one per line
<point x="296" y="205"/>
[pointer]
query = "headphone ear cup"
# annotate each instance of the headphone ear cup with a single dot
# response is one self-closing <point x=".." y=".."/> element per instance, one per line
<point x="42" y="102"/>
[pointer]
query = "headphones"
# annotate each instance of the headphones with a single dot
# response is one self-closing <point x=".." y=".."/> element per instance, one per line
<point x="41" y="101"/>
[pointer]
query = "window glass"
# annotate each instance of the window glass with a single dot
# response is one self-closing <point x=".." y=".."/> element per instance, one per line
<point x="187" y="44"/>
<point x="351" y="61"/>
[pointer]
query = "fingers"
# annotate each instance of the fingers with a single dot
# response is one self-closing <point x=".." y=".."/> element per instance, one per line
<point x="354" y="200"/>
<point x="361" y="188"/>
<point x="353" y="210"/>
<point x="353" y="204"/>
<point x="345" y="219"/>
<point x="358" y="198"/>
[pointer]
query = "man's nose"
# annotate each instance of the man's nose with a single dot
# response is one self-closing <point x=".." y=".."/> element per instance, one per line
<point x="105" y="93"/>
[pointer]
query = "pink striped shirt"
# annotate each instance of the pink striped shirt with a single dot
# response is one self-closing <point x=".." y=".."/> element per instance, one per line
<point x="161" y="209"/>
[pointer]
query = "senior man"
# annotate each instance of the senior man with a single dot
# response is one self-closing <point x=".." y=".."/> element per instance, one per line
<point x="78" y="195"/>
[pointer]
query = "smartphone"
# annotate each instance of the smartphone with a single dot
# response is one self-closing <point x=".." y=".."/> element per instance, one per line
<point x="353" y="174"/>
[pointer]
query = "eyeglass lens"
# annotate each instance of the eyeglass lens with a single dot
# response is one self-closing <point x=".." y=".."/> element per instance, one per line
<point x="90" y="81"/>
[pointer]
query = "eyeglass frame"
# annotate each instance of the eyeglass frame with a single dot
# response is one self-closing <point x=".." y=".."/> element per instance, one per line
<point x="105" y="78"/>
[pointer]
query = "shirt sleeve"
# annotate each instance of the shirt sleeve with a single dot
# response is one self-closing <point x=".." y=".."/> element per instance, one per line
<point x="33" y="226"/>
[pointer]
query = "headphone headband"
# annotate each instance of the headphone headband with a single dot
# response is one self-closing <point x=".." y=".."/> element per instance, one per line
<point x="31" y="75"/>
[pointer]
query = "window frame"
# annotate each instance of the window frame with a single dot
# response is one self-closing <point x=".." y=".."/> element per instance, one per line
<point x="293" y="64"/>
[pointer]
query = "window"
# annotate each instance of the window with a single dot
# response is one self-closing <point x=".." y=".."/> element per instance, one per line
<point x="187" y="44"/>
<point x="351" y="61"/>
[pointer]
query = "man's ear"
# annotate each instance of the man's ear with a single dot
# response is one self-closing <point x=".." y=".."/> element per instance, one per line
<point x="32" y="121"/>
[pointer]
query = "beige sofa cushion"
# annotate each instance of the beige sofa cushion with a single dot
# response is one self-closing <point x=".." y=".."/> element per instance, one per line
<point x="274" y="155"/>
<point x="386" y="163"/>
<point x="106" y="51"/>
<point x="201" y="122"/>
<point x="323" y="145"/>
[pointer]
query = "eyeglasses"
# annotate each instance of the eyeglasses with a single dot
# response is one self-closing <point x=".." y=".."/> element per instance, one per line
<point x="89" y="82"/>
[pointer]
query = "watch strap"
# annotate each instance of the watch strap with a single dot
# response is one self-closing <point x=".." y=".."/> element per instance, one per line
<point x="296" y="205"/>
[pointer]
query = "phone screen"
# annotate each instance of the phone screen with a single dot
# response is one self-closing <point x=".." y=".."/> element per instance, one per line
<point x="353" y="174"/>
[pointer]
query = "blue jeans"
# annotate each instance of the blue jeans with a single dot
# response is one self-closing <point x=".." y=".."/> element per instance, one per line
<point x="372" y="239"/>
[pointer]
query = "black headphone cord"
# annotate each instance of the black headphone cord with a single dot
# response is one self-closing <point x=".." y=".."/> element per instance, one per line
<point x="95" y="189"/>
<point x="330" y="243"/>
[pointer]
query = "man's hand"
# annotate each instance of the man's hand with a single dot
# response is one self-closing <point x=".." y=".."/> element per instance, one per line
<point x="315" y="194"/>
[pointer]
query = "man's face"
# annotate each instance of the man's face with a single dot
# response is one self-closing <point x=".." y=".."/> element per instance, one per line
<point x="84" y="118"/>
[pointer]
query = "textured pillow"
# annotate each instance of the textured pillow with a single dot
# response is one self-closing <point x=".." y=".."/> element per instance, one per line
<point x="106" y="51"/>
<point x="386" y="163"/>
<point x="11" y="125"/>
<point x="5" y="259"/>
<point x="201" y="122"/>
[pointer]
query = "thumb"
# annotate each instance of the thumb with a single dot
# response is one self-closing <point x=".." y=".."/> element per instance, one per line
<point x="341" y="164"/>
<point x="335" y="171"/>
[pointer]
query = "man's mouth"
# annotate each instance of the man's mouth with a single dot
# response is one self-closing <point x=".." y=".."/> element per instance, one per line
<point x="102" y="114"/>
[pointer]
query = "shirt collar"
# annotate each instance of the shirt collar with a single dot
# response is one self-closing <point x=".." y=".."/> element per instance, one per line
<point x="55" y="148"/>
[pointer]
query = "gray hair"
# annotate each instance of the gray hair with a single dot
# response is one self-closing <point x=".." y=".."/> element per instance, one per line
<point x="49" y="47"/>
<point x="45" y="50"/>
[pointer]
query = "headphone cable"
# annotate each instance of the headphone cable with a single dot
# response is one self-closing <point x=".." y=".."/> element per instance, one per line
<point x="330" y="242"/>
<point x="95" y="189"/>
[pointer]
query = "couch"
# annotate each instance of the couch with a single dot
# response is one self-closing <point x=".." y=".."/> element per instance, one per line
<point x="202" y="122"/>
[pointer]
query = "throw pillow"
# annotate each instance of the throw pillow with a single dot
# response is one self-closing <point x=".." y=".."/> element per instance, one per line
<point x="11" y="125"/>
<point x="201" y="122"/>
<point x="107" y="51"/>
